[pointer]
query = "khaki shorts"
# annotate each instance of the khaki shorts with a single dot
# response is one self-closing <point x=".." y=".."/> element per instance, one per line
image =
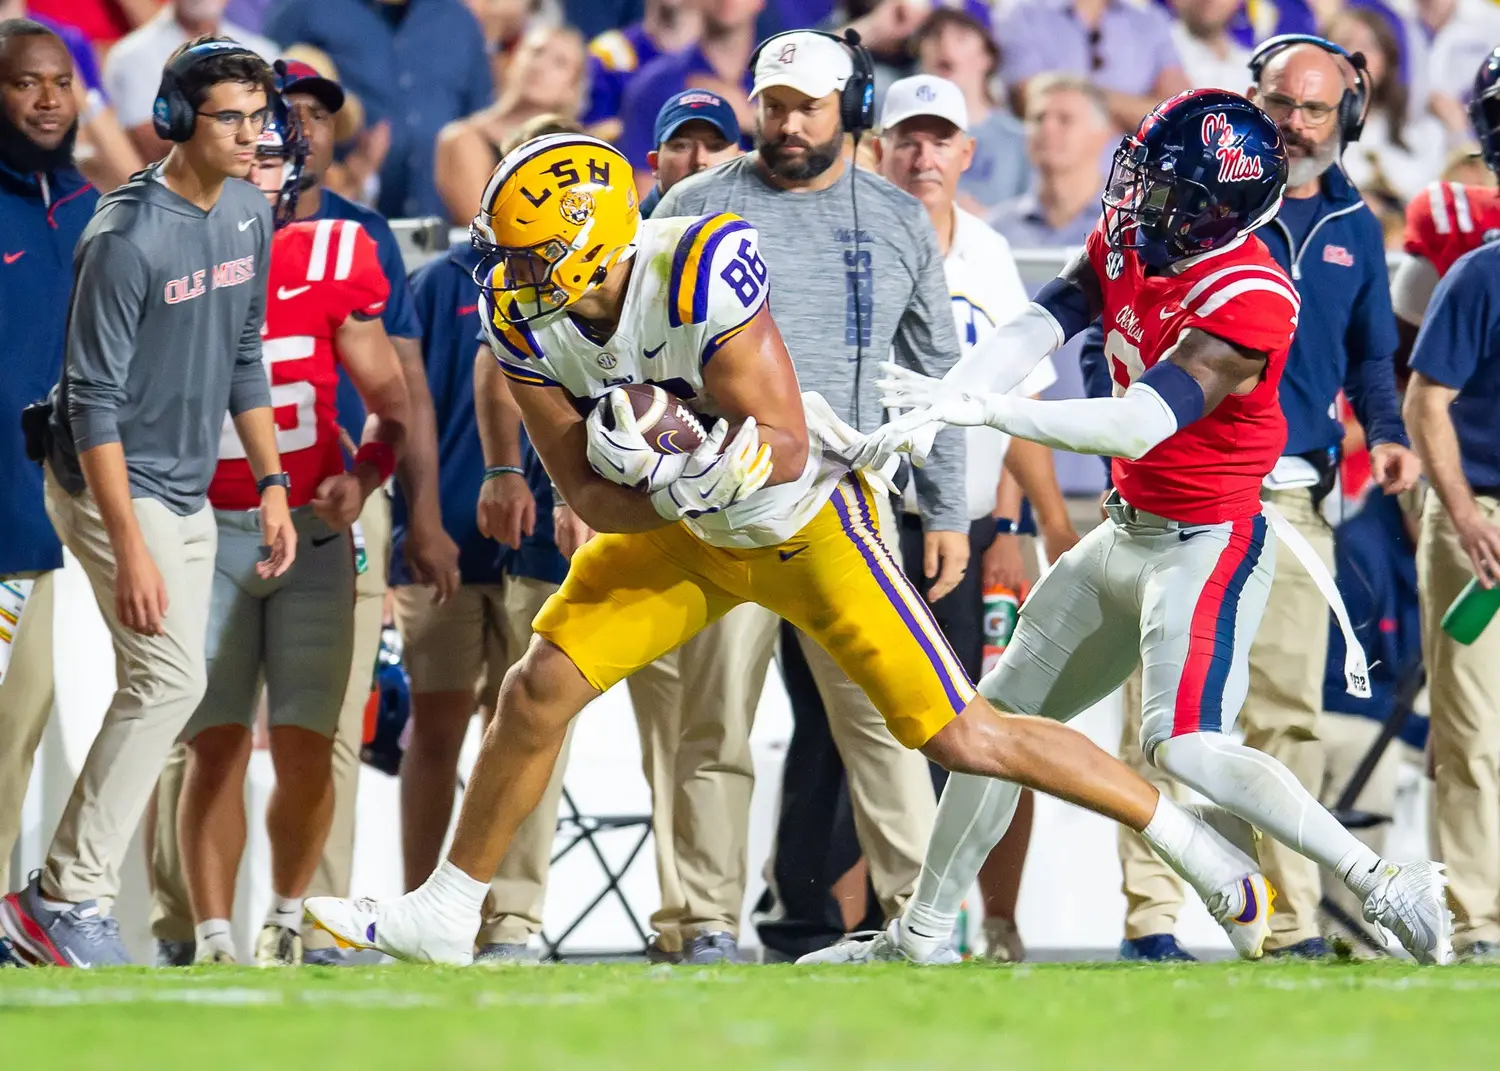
<point x="467" y="643"/>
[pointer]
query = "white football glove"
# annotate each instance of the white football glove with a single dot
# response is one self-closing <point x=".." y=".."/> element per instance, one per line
<point x="712" y="481"/>
<point x="930" y="404"/>
<point x="621" y="454"/>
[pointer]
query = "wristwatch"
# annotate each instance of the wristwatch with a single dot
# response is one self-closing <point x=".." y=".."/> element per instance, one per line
<point x="275" y="479"/>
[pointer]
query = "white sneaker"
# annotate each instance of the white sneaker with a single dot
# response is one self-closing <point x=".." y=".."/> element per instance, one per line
<point x="210" y="955"/>
<point x="1244" y="908"/>
<point x="394" y="928"/>
<point x="1411" y="903"/>
<point x="278" y="946"/>
<point x="878" y="946"/>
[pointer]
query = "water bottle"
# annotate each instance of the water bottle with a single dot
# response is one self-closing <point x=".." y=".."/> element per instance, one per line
<point x="1001" y="605"/>
<point x="1471" y="612"/>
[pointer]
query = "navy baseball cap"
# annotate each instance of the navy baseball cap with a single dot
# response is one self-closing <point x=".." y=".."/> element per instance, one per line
<point x="693" y="104"/>
<point x="299" y="77"/>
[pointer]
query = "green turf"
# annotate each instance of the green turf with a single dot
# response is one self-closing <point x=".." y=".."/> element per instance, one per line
<point x="1248" y="1017"/>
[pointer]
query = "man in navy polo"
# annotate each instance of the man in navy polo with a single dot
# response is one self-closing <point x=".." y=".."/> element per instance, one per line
<point x="44" y="205"/>
<point x="695" y="130"/>
<point x="1451" y="404"/>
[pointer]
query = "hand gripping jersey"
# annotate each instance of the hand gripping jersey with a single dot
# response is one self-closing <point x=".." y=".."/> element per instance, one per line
<point x="1210" y="471"/>
<point x="322" y="272"/>
<point x="696" y="284"/>
<point x="1446" y="220"/>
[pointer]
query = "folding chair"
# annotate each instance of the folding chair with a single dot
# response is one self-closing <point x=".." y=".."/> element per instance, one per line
<point x="579" y="829"/>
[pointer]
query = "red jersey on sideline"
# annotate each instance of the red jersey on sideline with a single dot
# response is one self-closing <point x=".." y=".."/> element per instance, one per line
<point x="1446" y="220"/>
<point x="322" y="272"/>
<point x="1210" y="471"/>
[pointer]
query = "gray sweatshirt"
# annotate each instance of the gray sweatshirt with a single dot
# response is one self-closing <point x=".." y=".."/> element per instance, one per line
<point x="843" y="307"/>
<point x="163" y="336"/>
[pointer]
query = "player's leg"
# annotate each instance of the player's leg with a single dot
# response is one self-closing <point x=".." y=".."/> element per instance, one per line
<point x="656" y="699"/>
<point x="309" y="639"/>
<point x="627" y="600"/>
<point x="211" y="808"/>
<point x="442" y="647"/>
<point x="1203" y="603"/>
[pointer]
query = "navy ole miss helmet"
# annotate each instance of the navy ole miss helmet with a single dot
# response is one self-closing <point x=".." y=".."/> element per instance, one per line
<point x="282" y="143"/>
<point x="1204" y="168"/>
<point x="1484" y="110"/>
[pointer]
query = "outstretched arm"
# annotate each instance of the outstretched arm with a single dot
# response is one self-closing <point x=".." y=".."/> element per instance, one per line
<point x="1194" y="376"/>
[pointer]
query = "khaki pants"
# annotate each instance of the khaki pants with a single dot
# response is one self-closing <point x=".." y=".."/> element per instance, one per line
<point x="694" y="708"/>
<point x="1153" y="891"/>
<point x="25" y="706"/>
<point x="1281" y="713"/>
<point x="1464" y="688"/>
<point x="161" y="679"/>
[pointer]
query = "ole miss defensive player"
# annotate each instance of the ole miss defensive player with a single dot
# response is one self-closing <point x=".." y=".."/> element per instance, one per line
<point x="1198" y="319"/>
<point x="326" y="293"/>
<point x="1447" y="219"/>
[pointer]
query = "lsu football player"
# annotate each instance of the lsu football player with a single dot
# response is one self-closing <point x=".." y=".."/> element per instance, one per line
<point x="579" y="297"/>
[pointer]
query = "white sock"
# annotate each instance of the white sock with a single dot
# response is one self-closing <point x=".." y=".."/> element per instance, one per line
<point x="213" y="935"/>
<point x="972" y="816"/>
<point x="285" y="911"/>
<point x="452" y="892"/>
<point x="1264" y="793"/>
<point x="1205" y="860"/>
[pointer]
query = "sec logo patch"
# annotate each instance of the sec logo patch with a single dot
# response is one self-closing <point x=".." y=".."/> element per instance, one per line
<point x="1114" y="264"/>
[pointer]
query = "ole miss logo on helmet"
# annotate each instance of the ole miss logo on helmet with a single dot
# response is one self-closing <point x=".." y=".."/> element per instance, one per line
<point x="1235" y="165"/>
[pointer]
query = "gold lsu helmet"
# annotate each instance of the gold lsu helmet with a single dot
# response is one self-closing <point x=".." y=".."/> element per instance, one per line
<point x="557" y="214"/>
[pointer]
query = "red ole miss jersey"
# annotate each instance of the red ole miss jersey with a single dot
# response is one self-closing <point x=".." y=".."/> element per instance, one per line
<point x="1446" y="220"/>
<point x="322" y="272"/>
<point x="1211" y="470"/>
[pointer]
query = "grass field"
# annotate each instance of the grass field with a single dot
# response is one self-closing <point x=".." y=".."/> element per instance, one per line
<point x="1260" y="1017"/>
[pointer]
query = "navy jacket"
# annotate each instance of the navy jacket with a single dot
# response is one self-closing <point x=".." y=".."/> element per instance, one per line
<point x="1346" y="333"/>
<point x="41" y="218"/>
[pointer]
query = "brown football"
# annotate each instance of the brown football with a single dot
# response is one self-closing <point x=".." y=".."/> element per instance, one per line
<point x="663" y="419"/>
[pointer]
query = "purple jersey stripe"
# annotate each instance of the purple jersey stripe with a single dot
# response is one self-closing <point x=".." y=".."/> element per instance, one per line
<point x="679" y="265"/>
<point x="705" y="265"/>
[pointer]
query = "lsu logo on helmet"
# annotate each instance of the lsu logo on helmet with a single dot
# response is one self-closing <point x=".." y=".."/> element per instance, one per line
<point x="556" y="215"/>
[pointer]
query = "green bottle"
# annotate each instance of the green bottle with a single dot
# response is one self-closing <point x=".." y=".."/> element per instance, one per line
<point x="1471" y="612"/>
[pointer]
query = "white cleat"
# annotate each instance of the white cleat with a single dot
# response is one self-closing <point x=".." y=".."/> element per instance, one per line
<point x="1244" y="908"/>
<point x="882" y="946"/>
<point x="395" y="928"/>
<point x="278" y="946"/>
<point x="1411" y="903"/>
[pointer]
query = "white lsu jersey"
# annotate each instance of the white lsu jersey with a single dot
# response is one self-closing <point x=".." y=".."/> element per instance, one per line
<point x="696" y="284"/>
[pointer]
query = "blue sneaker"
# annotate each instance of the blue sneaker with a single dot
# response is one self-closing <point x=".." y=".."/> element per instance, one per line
<point x="1155" y="948"/>
<point x="77" y="937"/>
<point x="715" y="947"/>
<point x="1312" y="948"/>
<point x="324" y="957"/>
<point x="8" y="957"/>
<point x="175" y="953"/>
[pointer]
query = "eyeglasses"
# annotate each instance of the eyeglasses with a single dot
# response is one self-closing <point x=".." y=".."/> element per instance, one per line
<point x="1314" y="112"/>
<point x="229" y="122"/>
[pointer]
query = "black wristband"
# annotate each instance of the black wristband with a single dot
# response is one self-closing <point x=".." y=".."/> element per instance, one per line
<point x="275" y="479"/>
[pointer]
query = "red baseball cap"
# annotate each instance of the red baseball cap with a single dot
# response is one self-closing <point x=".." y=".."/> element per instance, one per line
<point x="300" y="77"/>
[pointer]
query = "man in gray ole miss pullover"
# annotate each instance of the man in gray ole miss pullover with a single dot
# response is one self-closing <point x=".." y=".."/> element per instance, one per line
<point x="163" y="336"/>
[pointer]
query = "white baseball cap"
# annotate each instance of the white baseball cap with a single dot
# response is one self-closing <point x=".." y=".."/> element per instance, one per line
<point x="924" y="94"/>
<point x="807" y="62"/>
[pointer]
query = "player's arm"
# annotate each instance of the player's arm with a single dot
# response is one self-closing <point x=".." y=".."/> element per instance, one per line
<point x="1411" y="292"/>
<point x="560" y="437"/>
<point x="371" y="363"/>
<point x="1190" y="381"/>
<point x="751" y="375"/>
<point x="506" y="511"/>
<point x="1062" y="309"/>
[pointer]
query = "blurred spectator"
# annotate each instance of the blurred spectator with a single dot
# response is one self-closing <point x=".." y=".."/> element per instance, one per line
<point x="1450" y="408"/>
<point x="616" y="56"/>
<point x="1067" y="129"/>
<point x="1460" y="34"/>
<point x="356" y="176"/>
<point x="955" y="45"/>
<point x="1211" y="57"/>
<point x="719" y="62"/>
<point x="1402" y="147"/>
<point x="44" y="204"/>
<point x="419" y="63"/>
<point x="1125" y="50"/>
<point x="133" y="67"/>
<point x="546" y="78"/>
<point x="251" y="14"/>
<point x="695" y="130"/>
<point x="104" y="153"/>
<point x="593" y="17"/>
<point x="504" y="24"/>
<point x="102" y="21"/>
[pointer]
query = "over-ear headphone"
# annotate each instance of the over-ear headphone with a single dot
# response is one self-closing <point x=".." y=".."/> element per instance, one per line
<point x="857" y="98"/>
<point x="1351" y="104"/>
<point x="172" y="115"/>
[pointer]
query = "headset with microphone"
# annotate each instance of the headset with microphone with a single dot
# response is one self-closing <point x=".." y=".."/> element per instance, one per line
<point x="1351" y="109"/>
<point x="172" y="115"/>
